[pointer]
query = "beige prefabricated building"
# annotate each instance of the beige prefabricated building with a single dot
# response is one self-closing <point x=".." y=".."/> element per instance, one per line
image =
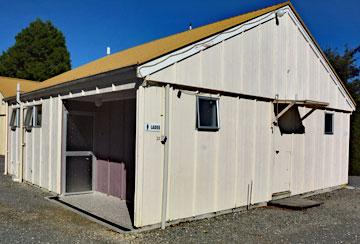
<point x="8" y="88"/>
<point x="216" y="118"/>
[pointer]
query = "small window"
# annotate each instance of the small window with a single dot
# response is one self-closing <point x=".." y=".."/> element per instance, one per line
<point x="207" y="113"/>
<point x="28" y="122"/>
<point x="329" y="124"/>
<point x="37" y="115"/>
<point x="15" y="118"/>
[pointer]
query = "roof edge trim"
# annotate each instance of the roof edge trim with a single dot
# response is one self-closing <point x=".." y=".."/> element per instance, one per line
<point x="164" y="61"/>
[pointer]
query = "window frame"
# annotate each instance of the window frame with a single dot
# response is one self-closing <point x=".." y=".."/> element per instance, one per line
<point x="207" y="128"/>
<point x="28" y="124"/>
<point x="36" y="110"/>
<point x="332" y="124"/>
<point x="15" y="119"/>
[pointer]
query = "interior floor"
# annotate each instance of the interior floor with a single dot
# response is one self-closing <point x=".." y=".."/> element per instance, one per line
<point x="106" y="207"/>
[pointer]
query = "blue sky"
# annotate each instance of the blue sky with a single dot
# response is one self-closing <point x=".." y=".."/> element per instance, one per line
<point x="90" y="26"/>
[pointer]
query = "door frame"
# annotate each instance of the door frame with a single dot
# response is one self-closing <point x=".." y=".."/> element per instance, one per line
<point x="276" y="135"/>
<point x="66" y="153"/>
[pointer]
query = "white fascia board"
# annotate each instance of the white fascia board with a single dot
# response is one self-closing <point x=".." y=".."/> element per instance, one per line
<point x="171" y="58"/>
<point x="318" y="53"/>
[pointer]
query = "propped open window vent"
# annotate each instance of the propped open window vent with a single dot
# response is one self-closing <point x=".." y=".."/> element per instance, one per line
<point x="290" y="122"/>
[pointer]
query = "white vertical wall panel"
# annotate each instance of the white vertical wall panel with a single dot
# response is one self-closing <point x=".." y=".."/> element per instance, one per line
<point x="182" y="175"/>
<point x="41" y="146"/>
<point x="245" y="150"/>
<point x="320" y="161"/>
<point x="226" y="155"/>
<point x="264" y="57"/>
<point x="13" y="147"/>
<point x="150" y="155"/>
<point x="209" y="171"/>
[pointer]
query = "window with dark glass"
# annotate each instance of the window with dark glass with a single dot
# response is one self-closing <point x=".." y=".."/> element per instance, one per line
<point x="207" y="113"/>
<point x="37" y="115"/>
<point x="329" y="123"/>
<point x="28" y="118"/>
<point x="14" y="119"/>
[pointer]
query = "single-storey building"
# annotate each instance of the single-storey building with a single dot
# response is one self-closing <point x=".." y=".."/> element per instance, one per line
<point x="227" y="115"/>
<point x="8" y="88"/>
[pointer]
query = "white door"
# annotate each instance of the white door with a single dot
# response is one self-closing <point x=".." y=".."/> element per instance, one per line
<point x="282" y="162"/>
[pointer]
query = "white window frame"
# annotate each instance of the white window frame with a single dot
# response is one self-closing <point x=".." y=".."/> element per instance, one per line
<point x="332" y="124"/>
<point x="207" y="128"/>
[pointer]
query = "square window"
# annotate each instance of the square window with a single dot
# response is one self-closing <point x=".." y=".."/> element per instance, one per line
<point x="15" y="118"/>
<point x="207" y="113"/>
<point x="329" y="124"/>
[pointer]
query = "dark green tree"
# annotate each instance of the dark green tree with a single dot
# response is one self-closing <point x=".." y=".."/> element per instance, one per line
<point x="347" y="69"/>
<point x="39" y="53"/>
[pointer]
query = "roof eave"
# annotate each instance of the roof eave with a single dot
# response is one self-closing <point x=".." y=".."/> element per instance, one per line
<point x="86" y="83"/>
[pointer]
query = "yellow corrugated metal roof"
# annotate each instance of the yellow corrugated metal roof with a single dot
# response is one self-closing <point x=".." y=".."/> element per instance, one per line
<point x="8" y="86"/>
<point x="151" y="50"/>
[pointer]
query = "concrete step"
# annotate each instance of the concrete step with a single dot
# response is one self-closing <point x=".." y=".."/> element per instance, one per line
<point x="296" y="203"/>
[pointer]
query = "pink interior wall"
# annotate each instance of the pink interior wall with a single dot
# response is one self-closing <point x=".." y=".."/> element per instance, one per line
<point x="114" y="147"/>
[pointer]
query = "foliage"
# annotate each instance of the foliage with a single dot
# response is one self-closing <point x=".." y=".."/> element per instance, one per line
<point x="347" y="69"/>
<point x="39" y="53"/>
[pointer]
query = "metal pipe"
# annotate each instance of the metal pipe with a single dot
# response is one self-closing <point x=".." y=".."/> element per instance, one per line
<point x="22" y="143"/>
<point x="6" y="138"/>
<point x="247" y="197"/>
<point x="251" y="189"/>
<point x="166" y="158"/>
<point x="18" y="93"/>
<point x="21" y="134"/>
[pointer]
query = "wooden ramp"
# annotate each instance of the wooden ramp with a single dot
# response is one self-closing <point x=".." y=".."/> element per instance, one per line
<point x="296" y="203"/>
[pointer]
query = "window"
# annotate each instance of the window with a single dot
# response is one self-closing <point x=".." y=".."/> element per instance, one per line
<point x="37" y="115"/>
<point x="29" y="118"/>
<point x="15" y="118"/>
<point x="33" y="117"/>
<point x="329" y="124"/>
<point x="290" y="122"/>
<point x="207" y="113"/>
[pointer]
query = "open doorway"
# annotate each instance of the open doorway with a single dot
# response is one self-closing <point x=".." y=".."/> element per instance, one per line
<point x="99" y="155"/>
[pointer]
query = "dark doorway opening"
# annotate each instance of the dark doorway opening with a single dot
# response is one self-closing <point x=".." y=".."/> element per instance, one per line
<point x="100" y="153"/>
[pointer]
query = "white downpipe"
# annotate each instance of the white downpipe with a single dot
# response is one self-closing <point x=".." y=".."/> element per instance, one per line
<point x="6" y="138"/>
<point x="18" y="93"/>
<point x="21" y="134"/>
<point x="166" y="159"/>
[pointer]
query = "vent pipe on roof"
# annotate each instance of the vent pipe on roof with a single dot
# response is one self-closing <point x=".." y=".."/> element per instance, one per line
<point x="18" y="93"/>
<point x="108" y="51"/>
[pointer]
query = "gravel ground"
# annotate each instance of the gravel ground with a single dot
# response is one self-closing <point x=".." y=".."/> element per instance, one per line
<point x="26" y="217"/>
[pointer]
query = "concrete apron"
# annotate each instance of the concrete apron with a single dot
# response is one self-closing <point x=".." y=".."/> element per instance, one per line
<point x="126" y="230"/>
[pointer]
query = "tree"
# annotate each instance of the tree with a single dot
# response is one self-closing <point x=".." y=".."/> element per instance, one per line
<point x="39" y="53"/>
<point x="347" y="69"/>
